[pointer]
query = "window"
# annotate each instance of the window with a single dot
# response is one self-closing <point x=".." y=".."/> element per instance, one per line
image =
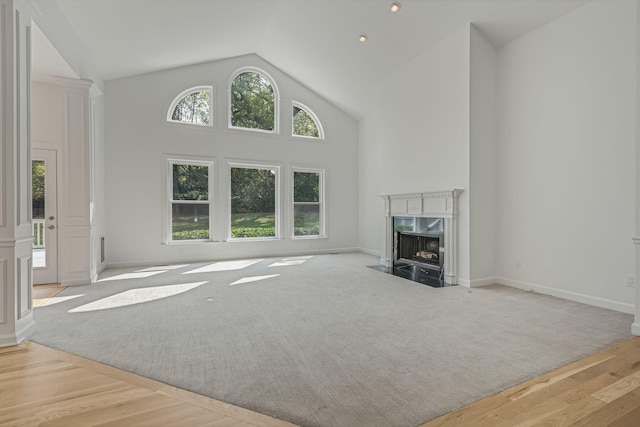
<point x="308" y="215"/>
<point x="190" y="200"/>
<point x="192" y="106"/>
<point x="305" y="122"/>
<point x="254" y="201"/>
<point x="253" y="98"/>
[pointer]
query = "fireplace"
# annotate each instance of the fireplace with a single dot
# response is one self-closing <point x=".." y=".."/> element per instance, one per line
<point x="419" y="240"/>
<point x="420" y="235"/>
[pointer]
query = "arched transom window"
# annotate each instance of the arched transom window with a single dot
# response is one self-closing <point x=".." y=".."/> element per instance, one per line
<point x="193" y="106"/>
<point x="253" y="101"/>
<point x="305" y="122"/>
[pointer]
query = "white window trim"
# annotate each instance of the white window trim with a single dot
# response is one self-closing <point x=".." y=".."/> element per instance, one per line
<point x="323" y="224"/>
<point x="278" y="216"/>
<point x="276" y="100"/>
<point x="182" y="95"/>
<point x="184" y="160"/>
<point x="315" y="118"/>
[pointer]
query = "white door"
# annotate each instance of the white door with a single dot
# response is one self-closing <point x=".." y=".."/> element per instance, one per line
<point x="45" y="216"/>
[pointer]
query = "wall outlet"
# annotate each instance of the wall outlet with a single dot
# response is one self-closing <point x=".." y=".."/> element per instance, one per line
<point x="630" y="281"/>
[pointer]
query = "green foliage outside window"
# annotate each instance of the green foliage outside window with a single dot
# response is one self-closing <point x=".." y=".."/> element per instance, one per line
<point x="306" y="203"/>
<point x="190" y="182"/>
<point x="303" y="123"/>
<point x="253" y="202"/>
<point x="252" y="102"/>
<point x="193" y="108"/>
<point x="190" y="221"/>
<point x="37" y="188"/>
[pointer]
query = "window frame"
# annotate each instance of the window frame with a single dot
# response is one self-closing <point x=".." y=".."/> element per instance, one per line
<point x="315" y="118"/>
<point x="170" y="161"/>
<point x="179" y="98"/>
<point x="278" y="198"/>
<point x="276" y="101"/>
<point x="322" y="203"/>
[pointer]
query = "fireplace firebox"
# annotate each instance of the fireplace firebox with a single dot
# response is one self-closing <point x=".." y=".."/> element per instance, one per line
<point x="420" y="248"/>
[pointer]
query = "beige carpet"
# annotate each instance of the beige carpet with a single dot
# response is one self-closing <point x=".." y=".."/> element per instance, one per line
<point x="322" y="340"/>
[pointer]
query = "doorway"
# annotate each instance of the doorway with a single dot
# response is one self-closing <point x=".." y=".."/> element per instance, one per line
<point x="45" y="214"/>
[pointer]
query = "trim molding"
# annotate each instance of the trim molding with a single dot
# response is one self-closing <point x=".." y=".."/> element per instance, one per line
<point x="477" y="283"/>
<point x="143" y="263"/>
<point x="369" y="252"/>
<point x="9" y="340"/>
<point x="568" y="295"/>
<point x="75" y="282"/>
<point x="635" y="328"/>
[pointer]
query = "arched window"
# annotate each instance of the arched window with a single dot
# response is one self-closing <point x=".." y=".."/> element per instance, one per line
<point x="193" y="106"/>
<point x="253" y="101"/>
<point x="305" y="122"/>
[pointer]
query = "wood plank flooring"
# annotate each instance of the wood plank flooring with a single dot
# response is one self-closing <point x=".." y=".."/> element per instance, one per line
<point x="42" y="293"/>
<point x="40" y="386"/>
<point x="599" y="390"/>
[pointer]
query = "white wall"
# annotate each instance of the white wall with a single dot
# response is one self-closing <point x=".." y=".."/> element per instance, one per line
<point x="482" y="164"/>
<point x="46" y="115"/>
<point x="138" y="138"/>
<point x="373" y="172"/>
<point x="419" y="141"/>
<point x="566" y="156"/>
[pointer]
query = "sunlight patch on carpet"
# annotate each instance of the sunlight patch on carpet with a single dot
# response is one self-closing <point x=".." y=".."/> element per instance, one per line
<point x="252" y="279"/>
<point x="136" y="296"/>
<point x="135" y="275"/>
<point x="225" y="266"/>
<point x="286" y="262"/>
<point x="57" y="300"/>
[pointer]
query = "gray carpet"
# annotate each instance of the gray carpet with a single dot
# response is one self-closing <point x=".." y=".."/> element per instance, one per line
<point x="323" y="341"/>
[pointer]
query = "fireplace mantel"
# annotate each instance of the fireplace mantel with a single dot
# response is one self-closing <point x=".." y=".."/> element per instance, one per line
<point x="428" y="204"/>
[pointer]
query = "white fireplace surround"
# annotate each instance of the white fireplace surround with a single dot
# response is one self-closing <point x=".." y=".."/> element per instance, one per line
<point x="428" y="204"/>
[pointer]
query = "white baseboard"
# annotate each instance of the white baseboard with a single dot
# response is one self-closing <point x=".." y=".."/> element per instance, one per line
<point x="635" y="328"/>
<point x="369" y="252"/>
<point x="9" y="340"/>
<point x="76" y="282"/>
<point x="568" y="295"/>
<point x="464" y="282"/>
<point x="477" y="283"/>
<point x="101" y="267"/>
<point x="147" y="263"/>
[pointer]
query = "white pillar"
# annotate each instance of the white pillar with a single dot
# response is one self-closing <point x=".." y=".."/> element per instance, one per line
<point x="16" y="315"/>
<point x="635" y="328"/>
<point x="74" y="234"/>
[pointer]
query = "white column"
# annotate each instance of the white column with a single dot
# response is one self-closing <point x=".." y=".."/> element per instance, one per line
<point x="74" y="233"/>
<point x="635" y="328"/>
<point x="387" y="237"/>
<point x="450" y="251"/>
<point x="16" y="315"/>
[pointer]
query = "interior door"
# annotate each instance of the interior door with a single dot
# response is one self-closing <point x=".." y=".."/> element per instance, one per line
<point x="45" y="214"/>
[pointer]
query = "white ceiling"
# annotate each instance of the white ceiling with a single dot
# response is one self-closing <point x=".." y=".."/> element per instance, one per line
<point x="315" y="41"/>
<point x="47" y="62"/>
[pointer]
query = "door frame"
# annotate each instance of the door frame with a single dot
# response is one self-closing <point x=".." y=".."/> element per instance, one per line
<point x="50" y="273"/>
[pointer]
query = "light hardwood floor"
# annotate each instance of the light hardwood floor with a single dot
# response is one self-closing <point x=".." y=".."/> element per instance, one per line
<point x="599" y="390"/>
<point x="42" y="293"/>
<point x="40" y="386"/>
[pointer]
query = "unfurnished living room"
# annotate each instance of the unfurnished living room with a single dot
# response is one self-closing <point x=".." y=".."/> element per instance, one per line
<point x="319" y="213"/>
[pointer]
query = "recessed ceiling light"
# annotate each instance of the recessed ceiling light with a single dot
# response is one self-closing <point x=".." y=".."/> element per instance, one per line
<point x="363" y="38"/>
<point x="395" y="7"/>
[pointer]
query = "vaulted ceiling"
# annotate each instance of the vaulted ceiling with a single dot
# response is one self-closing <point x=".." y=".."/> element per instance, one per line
<point x="315" y="41"/>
